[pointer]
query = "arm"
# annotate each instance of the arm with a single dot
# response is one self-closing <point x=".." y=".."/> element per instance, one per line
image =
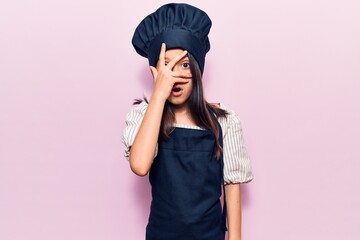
<point x="143" y="149"/>
<point x="237" y="170"/>
<point x="233" y="204"/>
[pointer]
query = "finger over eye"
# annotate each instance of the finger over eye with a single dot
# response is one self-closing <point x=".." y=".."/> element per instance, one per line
<point x="182" y="74"/>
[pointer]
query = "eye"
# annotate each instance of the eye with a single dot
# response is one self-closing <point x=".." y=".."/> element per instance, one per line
<point x="166" y="63"/>
<point x="185" y="65"/>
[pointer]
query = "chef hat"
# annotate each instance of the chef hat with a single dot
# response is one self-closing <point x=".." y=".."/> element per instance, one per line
<point x="177" y="25"/>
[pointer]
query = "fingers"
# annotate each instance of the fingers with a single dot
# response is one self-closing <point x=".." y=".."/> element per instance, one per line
<point x="181" y="74"/>
<point x="176" y="77"/>
<point x="181" y="80"/>
<point x="175" y="60"/>
<point x="167" y="69"/>
<point x="161" y="62"/>
<point x="154" y="71"/>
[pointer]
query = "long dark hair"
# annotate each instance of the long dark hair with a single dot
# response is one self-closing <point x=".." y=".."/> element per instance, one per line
<point x="204" y="114"/>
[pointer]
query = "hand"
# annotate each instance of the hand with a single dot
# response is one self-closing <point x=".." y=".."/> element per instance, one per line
<point x="165" y="77"/>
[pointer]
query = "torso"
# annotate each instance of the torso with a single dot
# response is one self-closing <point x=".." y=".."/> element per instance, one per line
<point x="186" y="184"/>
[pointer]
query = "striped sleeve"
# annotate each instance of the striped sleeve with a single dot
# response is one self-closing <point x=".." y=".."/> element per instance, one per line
<point x="237" y="168"/>
<point x="132" y="122"/>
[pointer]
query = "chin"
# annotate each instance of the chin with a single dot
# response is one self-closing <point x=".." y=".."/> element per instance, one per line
<point x="177" y="102"/>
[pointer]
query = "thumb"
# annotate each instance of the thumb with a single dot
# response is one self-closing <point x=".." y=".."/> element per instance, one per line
<point x="153" y="71"/>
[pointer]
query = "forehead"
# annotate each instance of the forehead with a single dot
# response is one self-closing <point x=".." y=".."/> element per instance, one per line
<point x="171" y="53"/>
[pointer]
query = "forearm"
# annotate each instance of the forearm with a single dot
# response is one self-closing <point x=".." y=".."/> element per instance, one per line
<point x="233" y="204"/>
<point x="143" y="149"/>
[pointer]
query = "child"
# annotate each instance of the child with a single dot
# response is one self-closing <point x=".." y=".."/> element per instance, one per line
<point x="191" y="148"/>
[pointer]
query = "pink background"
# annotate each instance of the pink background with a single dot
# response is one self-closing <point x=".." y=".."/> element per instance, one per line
<point x="68" y="75"/>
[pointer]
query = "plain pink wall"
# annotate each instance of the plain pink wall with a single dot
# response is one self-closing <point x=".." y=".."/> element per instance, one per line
<point x="68" y="74"/>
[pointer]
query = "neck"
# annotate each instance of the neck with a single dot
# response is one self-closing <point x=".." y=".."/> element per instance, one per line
<point x="182" y="115"/>
<point x="180" y="110"/>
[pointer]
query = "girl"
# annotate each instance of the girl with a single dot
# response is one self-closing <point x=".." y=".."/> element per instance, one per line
<point x="191" y="148"/>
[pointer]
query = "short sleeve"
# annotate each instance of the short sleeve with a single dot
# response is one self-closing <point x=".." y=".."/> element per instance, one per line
<point x="132" y="124"/>
<point x="237" y="167"/>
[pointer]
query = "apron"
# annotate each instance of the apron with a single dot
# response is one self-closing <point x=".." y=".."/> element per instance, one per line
<point x="186" y="181"/>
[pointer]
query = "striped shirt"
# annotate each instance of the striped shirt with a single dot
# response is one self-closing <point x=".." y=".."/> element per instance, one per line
<point x="237" y="168"/>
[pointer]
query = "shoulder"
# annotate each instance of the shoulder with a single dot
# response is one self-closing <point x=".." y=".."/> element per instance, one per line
<point x="136" y="113"/>
<point x="230" y="112"/>
<point x="232" y="119"/>
<point x="138" y="109"/>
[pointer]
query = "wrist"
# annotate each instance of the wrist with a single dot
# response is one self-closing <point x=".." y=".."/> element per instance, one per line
<point x="158" y="98"/>
<point x="234" y="235"/>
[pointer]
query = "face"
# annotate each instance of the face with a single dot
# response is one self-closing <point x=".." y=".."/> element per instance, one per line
<point x="181" y="91"/>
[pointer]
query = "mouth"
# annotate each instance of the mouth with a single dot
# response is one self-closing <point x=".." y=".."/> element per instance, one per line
<point x="176" y="89"/>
